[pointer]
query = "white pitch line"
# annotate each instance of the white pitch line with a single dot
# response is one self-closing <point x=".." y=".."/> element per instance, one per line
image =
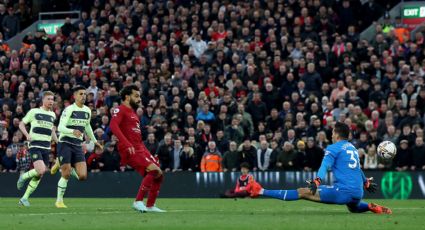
<point x="180" y="210"/>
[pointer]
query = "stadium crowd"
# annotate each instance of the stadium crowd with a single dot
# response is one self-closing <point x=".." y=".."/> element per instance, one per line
<point x="226" y="82"/>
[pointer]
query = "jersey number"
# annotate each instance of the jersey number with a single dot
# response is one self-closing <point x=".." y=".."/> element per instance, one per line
<point x="353" y="155"/>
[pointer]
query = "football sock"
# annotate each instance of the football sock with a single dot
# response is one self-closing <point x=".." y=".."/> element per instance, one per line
<point x="32" y="186"/>
<point x="74" y="174"/>
<point x="358" y="207"/>
<point x="61" y="188"/>
<point x="282" y="194"/>
<point x="153" y="193"/>
<point x="363" y="207"/>
<point x="146" y="185"/>
<point x="30" y="174"/>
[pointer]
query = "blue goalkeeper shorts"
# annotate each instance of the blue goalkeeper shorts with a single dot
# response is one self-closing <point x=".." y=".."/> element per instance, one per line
<point x="331" y="194"/>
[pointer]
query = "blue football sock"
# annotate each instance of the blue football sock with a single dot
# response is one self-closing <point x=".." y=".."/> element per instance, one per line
<point x="358" y="207"/>
<point x="282" y="194"/>
<point x="363" y="207"/>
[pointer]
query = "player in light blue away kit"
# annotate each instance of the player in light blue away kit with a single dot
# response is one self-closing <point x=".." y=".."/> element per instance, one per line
<point x="342" y="158"/>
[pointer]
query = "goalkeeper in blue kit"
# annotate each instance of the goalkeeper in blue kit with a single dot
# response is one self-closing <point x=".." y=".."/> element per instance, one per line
<point x="343" y="159"/>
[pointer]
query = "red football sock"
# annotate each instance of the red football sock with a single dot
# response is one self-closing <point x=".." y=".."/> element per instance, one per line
<point x="146" y="185"/>
<point x="153" y="193"/>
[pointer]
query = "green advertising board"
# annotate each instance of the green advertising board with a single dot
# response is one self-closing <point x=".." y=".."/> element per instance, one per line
<point x="50" y="28"/>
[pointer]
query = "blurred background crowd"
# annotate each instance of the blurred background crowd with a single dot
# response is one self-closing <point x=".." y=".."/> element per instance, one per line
<point x="223" y="82"/>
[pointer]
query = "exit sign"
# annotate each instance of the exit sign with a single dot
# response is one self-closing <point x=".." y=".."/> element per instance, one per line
<point x="412" y="16"/>
<point x="50" y="28"/>
<point x="414" y="12"/>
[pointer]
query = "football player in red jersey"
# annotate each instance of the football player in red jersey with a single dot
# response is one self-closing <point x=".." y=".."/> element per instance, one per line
<point x="125" y="125"/>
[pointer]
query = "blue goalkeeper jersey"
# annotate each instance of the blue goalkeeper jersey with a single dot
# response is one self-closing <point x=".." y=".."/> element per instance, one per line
<point x="343" y="159"/>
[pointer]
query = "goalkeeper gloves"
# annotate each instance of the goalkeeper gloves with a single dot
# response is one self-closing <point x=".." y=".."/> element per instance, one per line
<point x="314" y="184"/>
<point x="370" y="186"/>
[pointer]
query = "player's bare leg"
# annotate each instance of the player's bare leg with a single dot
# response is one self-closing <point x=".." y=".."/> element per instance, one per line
<point x="62" y="184"/>
<point x="81" y="171"/>
<point x="35" y="176"/>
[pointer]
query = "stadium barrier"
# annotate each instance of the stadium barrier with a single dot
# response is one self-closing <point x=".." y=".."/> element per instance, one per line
<point x="392" y="185"/>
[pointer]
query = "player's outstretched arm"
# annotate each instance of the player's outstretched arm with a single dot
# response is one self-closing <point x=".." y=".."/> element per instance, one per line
<point x="327" y="162"/>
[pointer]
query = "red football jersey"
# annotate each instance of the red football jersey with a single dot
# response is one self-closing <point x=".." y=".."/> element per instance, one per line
<point x="125" y="125"/>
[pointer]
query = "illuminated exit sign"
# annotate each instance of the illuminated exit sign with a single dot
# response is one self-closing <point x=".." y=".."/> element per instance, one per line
<point x="50" y="28"/>
<point x="414" y="12"/>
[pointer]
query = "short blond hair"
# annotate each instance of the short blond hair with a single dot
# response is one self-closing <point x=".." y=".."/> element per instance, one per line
<point x="48" y="93"/>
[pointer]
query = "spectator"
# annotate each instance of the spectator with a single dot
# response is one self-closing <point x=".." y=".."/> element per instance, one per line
<point x="212" y="160"/>
<point x="301" y="157"/>
<point x="371" y="158"/>
<point x="234" y="132"/>
<point x="151" y="143"/>
<point x="285" y="161"/>
<point x="9" y="161"/>
<point x="248" y="153"/>
<point x="401" y="161"/>
<point x="23" y="159"/>
<point x="312" y="79"/>
<point x="176" y="153"/>
<point x="111" y="158"/>
<point x="187" y="158"/>
<point x="257" y="109"/>
<point x="314" y="155"/>
<point x="263" y="156"/>
<point x="94" y="162"/>
<point x="231" y="158"/>
<point x="164" y="152"/>
<point x="418" y="155"/>
<point x="11" y="24"/>
<point x="221" y="142"/>
<point x="205" y="115"/>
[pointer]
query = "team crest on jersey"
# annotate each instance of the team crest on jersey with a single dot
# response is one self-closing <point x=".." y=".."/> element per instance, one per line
<point x="34" y="156"/>
<point x="116" y="110"/>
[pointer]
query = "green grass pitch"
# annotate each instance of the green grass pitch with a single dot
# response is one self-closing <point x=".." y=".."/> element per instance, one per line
<point x="259" y="214"/>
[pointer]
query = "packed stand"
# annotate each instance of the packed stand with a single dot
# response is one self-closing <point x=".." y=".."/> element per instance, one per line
<point x="226" y="82"/>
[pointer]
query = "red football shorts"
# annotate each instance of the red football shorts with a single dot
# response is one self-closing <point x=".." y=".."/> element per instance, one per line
<point x="141" y="160"/>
